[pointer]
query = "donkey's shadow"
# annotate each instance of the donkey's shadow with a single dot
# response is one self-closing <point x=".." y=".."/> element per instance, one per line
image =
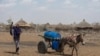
<point x="57" y="53"/>
<point x="66" y="55"/>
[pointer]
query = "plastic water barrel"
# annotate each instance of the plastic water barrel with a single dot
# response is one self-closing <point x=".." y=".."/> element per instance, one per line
<point x="52" y="35"/>
<point x="55" y="45"/>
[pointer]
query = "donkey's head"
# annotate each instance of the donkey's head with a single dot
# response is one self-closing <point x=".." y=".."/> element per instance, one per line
<point x="80" y="39"/>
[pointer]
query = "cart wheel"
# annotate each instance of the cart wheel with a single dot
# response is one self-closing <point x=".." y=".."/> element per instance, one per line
<point x="42" y="47"/>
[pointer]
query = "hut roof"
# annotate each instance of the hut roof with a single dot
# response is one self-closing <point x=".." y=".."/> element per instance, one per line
<point x="2" y="25"/>
<point x="96" y="25"/>
<point x="23" y="23"/>
<point x="83" y="24"/>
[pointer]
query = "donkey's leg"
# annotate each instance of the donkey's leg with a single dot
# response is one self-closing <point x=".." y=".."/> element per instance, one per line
<point x="61" y="47"/>
<point x="73" y="50"/>
<point x="76" y="51"/>
<point x="63" y="52"/>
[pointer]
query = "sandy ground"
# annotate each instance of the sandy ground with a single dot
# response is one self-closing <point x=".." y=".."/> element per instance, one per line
<point x="29" y="41"/>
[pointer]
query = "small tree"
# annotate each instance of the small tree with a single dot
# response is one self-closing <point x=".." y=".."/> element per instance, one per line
<point x="9" y="21"/>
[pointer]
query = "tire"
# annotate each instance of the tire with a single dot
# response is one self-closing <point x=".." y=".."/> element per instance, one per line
<point x="42" y="48"/>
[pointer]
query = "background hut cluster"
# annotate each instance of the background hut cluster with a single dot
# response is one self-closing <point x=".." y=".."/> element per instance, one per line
<point x="83" y="26"/>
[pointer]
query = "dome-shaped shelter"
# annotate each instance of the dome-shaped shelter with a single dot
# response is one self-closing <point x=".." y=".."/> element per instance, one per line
<point x="83" y="25"/>
<point x="23" y="25"/>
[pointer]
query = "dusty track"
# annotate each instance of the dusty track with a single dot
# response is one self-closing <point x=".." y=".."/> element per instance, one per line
<point x="29" y="41"/>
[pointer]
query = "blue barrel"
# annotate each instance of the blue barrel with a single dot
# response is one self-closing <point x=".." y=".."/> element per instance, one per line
<point x="53" y="35"/>
<point x="55" y="45"/>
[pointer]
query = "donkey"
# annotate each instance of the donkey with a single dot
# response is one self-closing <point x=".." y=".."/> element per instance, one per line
<point x="72" y="42"/>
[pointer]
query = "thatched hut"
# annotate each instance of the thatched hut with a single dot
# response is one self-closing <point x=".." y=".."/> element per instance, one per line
<point x="32" y="25"/>
<point x="59" y="27"/>
<point x="3" y="27"/>
<point x="96" y="27"/>
<point x="62" y="27"/>
<point x="84" y="26"/>
<point x="24" y="25"/>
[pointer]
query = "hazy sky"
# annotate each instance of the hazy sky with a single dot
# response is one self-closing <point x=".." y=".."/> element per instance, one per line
<point x="52" y="11"/>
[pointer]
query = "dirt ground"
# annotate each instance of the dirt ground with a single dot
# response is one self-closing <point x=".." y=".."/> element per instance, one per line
<point x="29" y="41"/>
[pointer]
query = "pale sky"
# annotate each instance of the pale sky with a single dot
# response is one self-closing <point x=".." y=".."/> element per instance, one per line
<point x="52" y="11"/>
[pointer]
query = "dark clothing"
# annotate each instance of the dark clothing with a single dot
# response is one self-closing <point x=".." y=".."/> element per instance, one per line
<point x="17" y="38"/>
<point x="11" y="26"/>
<point x="16" y="32"/>
<point x="11" y="29"/>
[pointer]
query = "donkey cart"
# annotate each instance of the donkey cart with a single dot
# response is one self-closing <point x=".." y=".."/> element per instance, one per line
<point x="54" y="41"/>
<point x="51" y="40"/>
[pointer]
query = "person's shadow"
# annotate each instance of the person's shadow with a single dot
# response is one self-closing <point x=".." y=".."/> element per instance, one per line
<point x="10" y="52"/>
